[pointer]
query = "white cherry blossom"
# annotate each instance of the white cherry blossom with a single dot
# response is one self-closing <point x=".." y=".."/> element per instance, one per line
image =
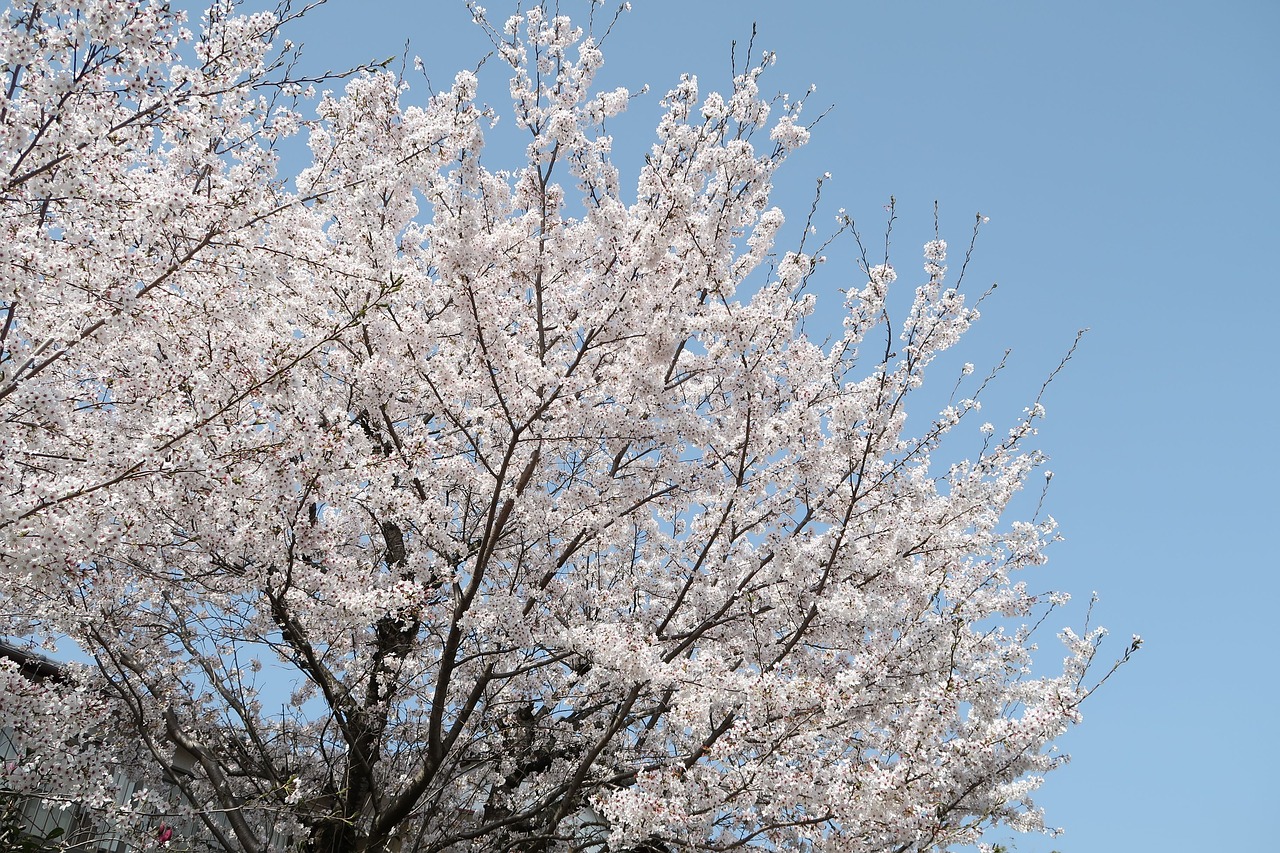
<point x="422" y="506"/>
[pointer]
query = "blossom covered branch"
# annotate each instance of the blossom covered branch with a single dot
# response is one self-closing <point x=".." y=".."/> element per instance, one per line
<point x="560" y="531"/>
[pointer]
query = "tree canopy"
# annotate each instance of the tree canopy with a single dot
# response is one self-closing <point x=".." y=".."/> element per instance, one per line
<point x="404" y="504"/>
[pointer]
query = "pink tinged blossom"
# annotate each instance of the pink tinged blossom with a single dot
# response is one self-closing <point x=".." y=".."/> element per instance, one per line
<point x="533" y="488"/>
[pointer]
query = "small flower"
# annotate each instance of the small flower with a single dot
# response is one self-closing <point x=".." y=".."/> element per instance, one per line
<point x="882" y="274"/>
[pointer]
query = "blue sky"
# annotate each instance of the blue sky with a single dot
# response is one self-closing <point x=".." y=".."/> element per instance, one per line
<point x="1125" y="152"/>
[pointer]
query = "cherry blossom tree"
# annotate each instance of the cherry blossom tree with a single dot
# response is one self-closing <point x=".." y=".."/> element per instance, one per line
<point x="405" y="504"/>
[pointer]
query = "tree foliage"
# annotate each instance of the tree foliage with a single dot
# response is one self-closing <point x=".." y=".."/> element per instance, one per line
<point x="406" y="504"/>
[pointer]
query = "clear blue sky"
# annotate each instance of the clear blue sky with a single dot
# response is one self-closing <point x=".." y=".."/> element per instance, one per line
<point x="1126" y="154"/>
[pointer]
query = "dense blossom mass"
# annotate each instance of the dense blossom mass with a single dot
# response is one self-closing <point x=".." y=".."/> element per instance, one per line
<point x="402" y="504"/>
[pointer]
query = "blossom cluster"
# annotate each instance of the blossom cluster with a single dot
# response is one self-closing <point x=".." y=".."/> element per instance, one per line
<point x="531" y="487"/>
